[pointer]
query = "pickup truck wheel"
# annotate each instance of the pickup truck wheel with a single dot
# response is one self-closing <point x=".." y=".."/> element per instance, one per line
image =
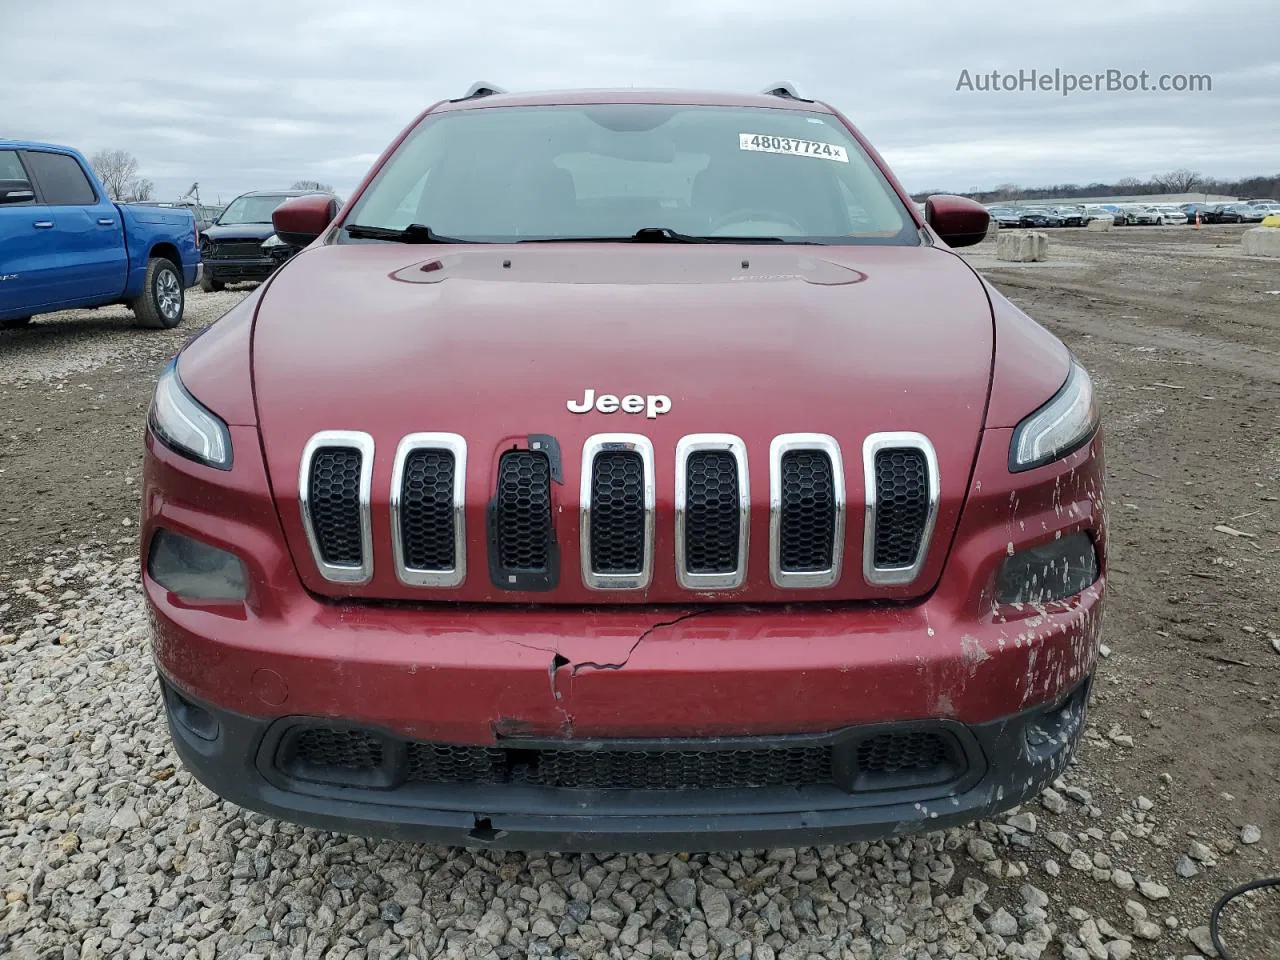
<point x="160" y="305"/>
<point x="14" y="322"/>
<point x="210" y="285"/>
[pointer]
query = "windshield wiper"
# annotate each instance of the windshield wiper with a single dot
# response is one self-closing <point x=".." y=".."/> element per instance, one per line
<point x="413" y="233"/>
<point x="657" y="235"/>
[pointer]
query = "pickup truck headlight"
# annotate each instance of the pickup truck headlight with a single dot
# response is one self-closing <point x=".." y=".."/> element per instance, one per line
<point x="183" y="425"/>
<point x="1062" y="425"/>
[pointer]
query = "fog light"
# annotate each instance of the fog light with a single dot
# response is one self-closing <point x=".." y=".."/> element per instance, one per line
<point x="195" y="570"/>
<point x="1050" y="571"/>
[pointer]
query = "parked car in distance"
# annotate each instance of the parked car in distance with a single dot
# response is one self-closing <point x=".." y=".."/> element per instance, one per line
<point x="1071" y="216"/>
<point x="1004" y="216"/>
<point x="1097" y="212"/>
<point x="1191" y="209"/>
<point x="1220" y="213"/>
<point x="204" y="214"/>
<point x="1141" y="214"/>
<point x="1170" y="215"/>
<point x="65" y="245"/>
<point x="232" y="246"/>
<point x="1038" y="217"/>
<point x="407" y="511"/>
<point x="1250" y="212"/>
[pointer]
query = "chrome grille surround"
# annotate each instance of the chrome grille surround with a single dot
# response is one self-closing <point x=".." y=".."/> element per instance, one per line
<point x="873" y="445"/>
<point x="780" y="446"/>
<point x="599" y="443"/>
<point x="356" y="574"/>
<point x="694" y="443"/>
<point x="457" y="446"/>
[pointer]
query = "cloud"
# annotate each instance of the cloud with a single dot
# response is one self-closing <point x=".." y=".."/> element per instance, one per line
<point x="246" y="94"/>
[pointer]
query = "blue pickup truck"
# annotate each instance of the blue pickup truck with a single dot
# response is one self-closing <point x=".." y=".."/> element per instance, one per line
<point x="64" y="244"/>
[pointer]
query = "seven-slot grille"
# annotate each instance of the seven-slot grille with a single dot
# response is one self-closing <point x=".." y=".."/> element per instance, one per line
<point x="808" y="512"/>
<point x="334" y="484"/>
<point x="335" y="504"/>
<point x="712" y="511"/>
<point x="522" y="512"/>
<point x="427" y="516"/>
<point x="902" y="498"/>
<point x="617" y="513"/>
<point x="617" y="504"/>
<point x="901" y="472"/>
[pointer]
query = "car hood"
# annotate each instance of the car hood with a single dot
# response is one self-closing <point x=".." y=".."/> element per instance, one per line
<point x="492" y="342"/>
<point x="240" y="231"/>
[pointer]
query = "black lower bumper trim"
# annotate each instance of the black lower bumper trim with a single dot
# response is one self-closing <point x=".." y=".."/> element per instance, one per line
<point x="1016" y="757"/>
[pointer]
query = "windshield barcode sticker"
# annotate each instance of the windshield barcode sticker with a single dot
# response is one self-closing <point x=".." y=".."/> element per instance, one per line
<point x="764" y="143"/>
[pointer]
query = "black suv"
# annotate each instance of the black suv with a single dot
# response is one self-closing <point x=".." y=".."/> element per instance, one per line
<point x="232" y="248"/>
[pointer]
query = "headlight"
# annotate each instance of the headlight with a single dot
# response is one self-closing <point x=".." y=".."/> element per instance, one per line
<point x="185" y="426"/>
<point x="1062" y="425"/>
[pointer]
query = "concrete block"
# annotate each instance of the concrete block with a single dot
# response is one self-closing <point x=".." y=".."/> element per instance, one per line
<point x="1022" y="246"/>
<point x="1261" y="242"/>
<point x="1100" y="226"/>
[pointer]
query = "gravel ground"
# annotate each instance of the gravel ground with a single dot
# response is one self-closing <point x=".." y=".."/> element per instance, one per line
<point x="108" y="848"/>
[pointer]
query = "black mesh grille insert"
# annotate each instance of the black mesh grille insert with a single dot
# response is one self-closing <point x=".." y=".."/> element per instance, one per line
<point x="427" y="534"/>
<point x="523" y="511"/>
<point x="880" y="761"/>
<point x="335" y="505"/>
<point x="902" y="506"/>
<point x="617" y="512"/>
<point x="808" y="521"/>
<point x="891" y="753"/>
<point x="344" y="749"/>
<point x="712" y="512"/>
<point x="622" y="769"/>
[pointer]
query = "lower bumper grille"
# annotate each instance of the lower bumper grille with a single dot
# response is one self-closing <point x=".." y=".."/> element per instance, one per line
<point x="877" y="761"/>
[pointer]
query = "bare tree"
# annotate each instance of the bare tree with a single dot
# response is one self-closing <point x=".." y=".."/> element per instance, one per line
<point x="118" y="170"/>
<point x="313" y="185"/>
<point x="1178" y="181"/>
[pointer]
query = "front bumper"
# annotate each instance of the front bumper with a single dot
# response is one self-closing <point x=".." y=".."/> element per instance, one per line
<point x="230" y="271"/>
<point x="1006" y="761"/>
<point x="508" y="677"/>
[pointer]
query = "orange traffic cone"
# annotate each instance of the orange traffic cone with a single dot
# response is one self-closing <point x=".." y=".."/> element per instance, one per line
<point x="1197" y="219"/>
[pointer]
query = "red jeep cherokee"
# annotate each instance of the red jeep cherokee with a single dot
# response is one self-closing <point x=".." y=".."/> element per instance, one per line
<point x="626" y="470"/>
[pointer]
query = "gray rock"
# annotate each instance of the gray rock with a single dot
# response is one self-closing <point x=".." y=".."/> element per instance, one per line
<point x="1186" y="867"/>
<point x="1250" y="834"/>
<point x="715" y="907"/>
<point x="1204" y="943"/>
<point x="683" y="892"/>
<point x="1152" y="890"/>
<point x="1003" y="923"/>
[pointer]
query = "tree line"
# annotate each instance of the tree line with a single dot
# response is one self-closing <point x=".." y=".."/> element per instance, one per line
<point x="1175" y="181"/>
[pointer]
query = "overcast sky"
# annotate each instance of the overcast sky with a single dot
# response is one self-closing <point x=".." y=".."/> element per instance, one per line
<point x="246" y="94"/>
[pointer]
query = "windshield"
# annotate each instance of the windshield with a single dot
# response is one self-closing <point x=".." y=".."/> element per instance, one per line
<point x="505" y="174"/>
<point x="251" y="209"/>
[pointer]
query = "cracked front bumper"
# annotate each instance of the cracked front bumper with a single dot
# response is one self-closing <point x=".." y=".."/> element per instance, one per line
<point x="1007" y="761"/>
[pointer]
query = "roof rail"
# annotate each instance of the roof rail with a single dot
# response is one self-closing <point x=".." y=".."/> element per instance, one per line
<point x="481" y="89"/>
<point x="782" y="89"/>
